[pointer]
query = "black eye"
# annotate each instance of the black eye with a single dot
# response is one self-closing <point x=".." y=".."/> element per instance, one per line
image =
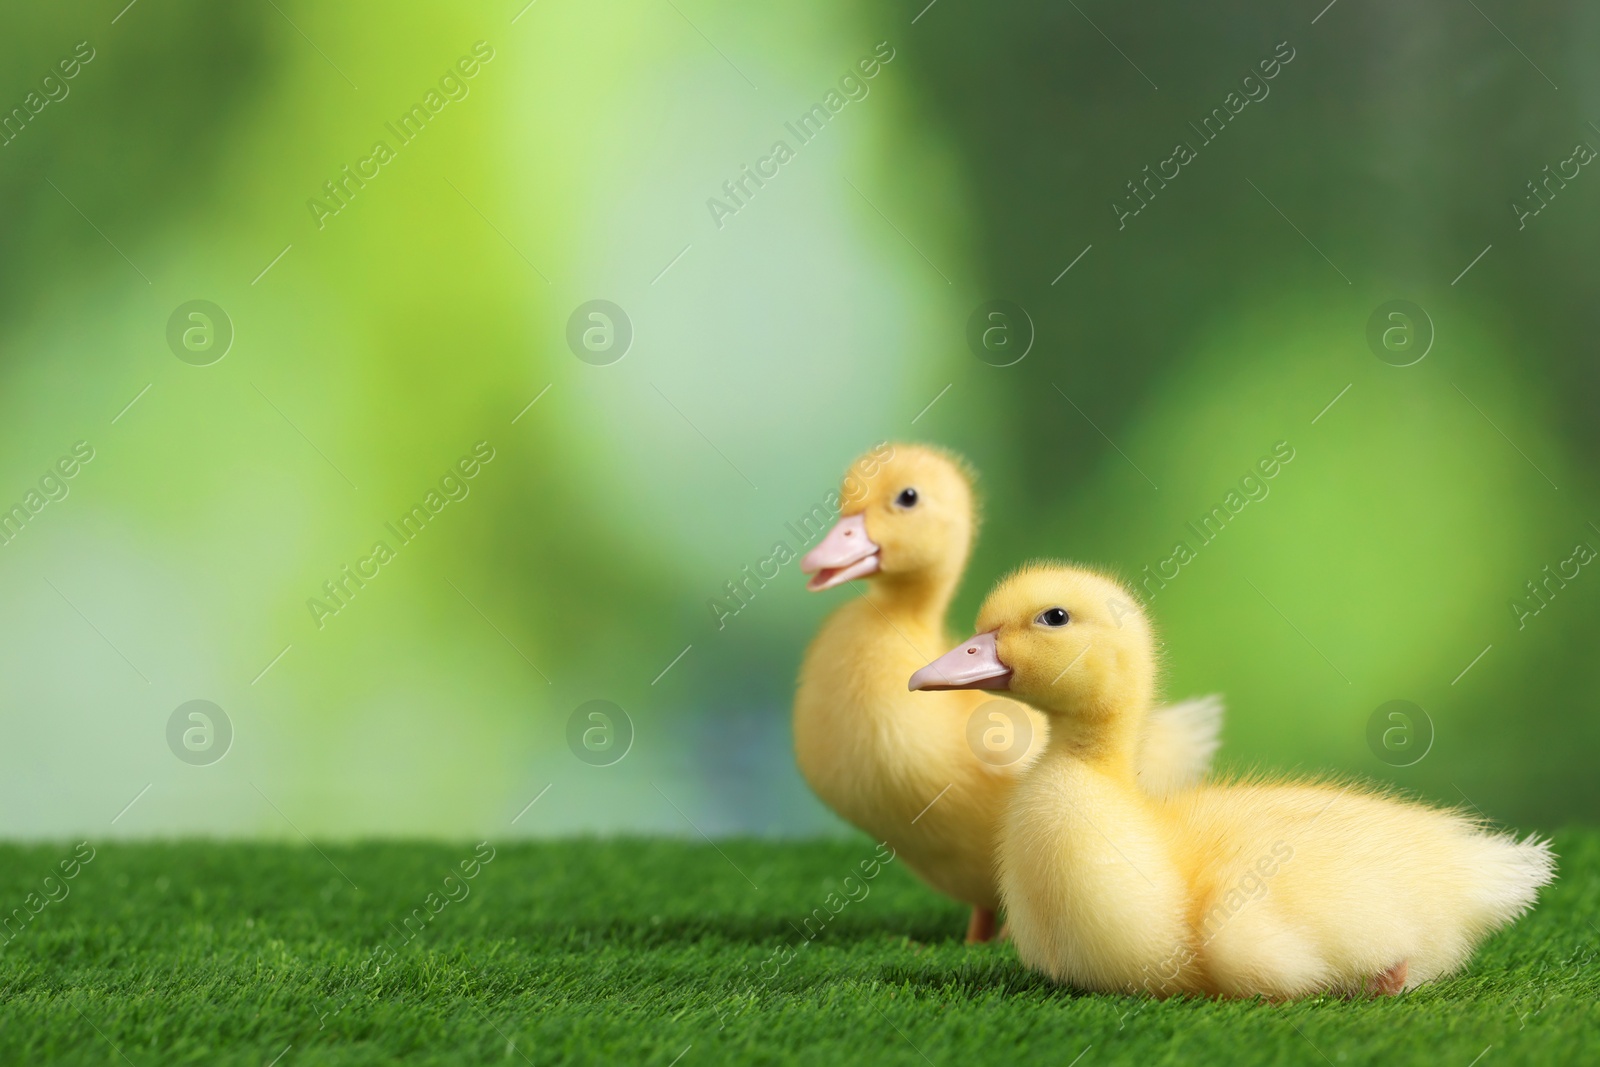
<point x="907" y="498"/>
<point x="1053" y="617"/>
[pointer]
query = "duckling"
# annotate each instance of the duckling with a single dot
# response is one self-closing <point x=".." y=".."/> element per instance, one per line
<point x="899" y="766"/>
<point x="1255" y="887"/>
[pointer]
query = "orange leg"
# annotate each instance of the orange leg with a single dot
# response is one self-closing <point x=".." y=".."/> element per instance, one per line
<point x="1387" y="983"/>
<point x="981" y="926"/>
<point x="1390" y="982"/>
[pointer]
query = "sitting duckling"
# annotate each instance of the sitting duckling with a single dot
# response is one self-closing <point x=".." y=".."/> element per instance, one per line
<point x="883" y="759"/>
<point x="1251" y="888"/>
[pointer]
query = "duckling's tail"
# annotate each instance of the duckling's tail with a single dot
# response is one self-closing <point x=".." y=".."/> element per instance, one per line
<point x="1179" y="742"/>
<point x="1509" y="874"/>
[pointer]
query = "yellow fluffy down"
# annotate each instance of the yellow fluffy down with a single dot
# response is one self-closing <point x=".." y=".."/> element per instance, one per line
<point x="898" y="764"/>
<point x="1241" y="888"/>
<point x="1250" y="888"/>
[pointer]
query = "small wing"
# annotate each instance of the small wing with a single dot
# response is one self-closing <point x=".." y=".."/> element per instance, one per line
<point x="1179" y="741"/>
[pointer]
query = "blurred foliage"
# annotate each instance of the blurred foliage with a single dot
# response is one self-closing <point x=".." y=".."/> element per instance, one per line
<point x="1207" y="329"/>
<point x="427" y="314"/>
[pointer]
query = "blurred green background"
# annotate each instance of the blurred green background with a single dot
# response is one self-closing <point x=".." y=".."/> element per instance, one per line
<point x="373" y="350"/>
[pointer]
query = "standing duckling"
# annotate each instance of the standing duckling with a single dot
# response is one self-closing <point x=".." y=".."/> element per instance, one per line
<point x="902" y="767"/>
<point x="1251" y="888"/>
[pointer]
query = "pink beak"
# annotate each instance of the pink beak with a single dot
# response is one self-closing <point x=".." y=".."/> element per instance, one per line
<point x="844" y="554"/>
<point x="975" y="664"/>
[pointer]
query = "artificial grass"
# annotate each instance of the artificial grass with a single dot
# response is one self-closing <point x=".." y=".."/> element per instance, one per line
<point x="660" y="952"/>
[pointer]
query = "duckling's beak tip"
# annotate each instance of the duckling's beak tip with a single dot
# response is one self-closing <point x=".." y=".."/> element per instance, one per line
<point x="974" y="664"/>
<point x="844" y="553"/>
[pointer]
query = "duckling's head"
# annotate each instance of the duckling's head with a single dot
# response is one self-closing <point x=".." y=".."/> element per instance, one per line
<point x="907" y="512"/>
<point x="1073" y="643"/>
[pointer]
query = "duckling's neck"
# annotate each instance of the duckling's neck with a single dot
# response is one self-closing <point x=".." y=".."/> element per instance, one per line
<point x="1104" y="738"/>
<point x="923" y="596"/>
